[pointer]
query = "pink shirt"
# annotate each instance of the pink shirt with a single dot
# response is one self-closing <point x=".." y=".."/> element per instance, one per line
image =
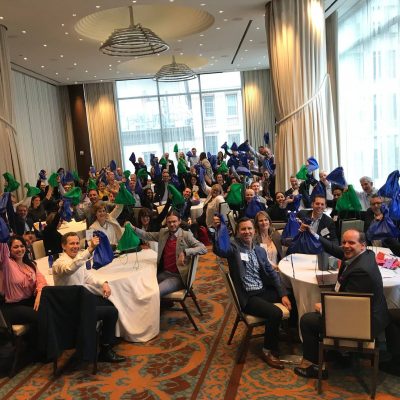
<point x="18" y="283"/>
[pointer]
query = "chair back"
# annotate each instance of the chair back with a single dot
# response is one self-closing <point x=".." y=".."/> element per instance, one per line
<point x="192" y="271"/>
<point x="232" y="222"/>
<point x="346" y="224"/>
<point x="347" y="316"/>
<point x="38" y="249"/>
<point x="278" y="225"/>
<point x="231" y="289"/>
<point x="224" y="209"/>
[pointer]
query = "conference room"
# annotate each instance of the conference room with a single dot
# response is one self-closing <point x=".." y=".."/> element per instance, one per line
<point x="142" y="120"/>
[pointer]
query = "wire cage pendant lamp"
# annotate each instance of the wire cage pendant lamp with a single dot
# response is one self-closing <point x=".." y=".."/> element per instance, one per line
<point x="174" y="72"/>
<point x="134" y="41"/>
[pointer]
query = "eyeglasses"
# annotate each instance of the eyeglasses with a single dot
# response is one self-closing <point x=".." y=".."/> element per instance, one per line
<point x="376" y="204"/>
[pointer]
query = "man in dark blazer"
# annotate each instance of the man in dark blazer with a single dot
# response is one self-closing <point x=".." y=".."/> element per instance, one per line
<point x="257" y="284"/>
<point x="160" y="187"/>
<point x="320" y="224"/>
<point x="359" y="273"/>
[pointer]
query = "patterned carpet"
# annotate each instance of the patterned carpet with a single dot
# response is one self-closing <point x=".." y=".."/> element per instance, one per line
<point x="184" y="364"/>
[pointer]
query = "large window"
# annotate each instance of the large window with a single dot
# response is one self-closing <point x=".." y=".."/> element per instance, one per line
<point x="369" y="89"/>
<point x="202" y="113"/>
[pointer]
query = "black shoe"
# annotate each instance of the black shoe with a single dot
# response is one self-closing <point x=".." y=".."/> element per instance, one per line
<point x="311" y="372"/>
<point x="107" y="354"/>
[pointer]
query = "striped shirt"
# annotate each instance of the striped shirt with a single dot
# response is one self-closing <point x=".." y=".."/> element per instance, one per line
<point x="252" y="280"/>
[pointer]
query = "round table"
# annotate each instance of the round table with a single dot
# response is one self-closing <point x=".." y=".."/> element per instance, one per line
<point x="299" y="272"/>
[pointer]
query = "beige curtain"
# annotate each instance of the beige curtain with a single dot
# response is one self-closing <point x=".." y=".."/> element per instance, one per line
<point x="331" y="27"/>
<point x="301" y="86"/>
<point x="258" y="106"/>
<point x="102" y="123"/>
<point x="9" y="158"/>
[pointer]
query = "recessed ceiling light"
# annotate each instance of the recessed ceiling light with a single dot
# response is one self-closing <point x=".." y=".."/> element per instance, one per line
<point x="98" y="6"/>
<point x="25" y="58"/>
<point x="1" y="17"/>
<point x="101" y="80"/>
<point x="202" y="35"/>
<point x="67" y="79"/>
<point x="75" y="64"/>
<point x="217" y="28"/>
<point x="200" y="55"/>
<point x="23" y="32"/>
<point x="86" y="70"/>
<point x="76" y="82"/>
<point x="250" y="40"/>
<point x="258" y="28"/>
<point x="62" y="55"/>
<point x="212" y="57"/>
<point x="200" y="44"/>
<point x="118" y="61"/>
<point x="181" y="54"/>
<point x="66" y="33"/>
<point x="80" y="39"/>
<point x="225" y="19"/>
<point x="171" y="1"/>
<point x="94" y="76"/>
<point x="62" y="24"/>
<point x="117" y="72"/>
<point x="110" y="69"/>
<point x="179" y="40"/>
<point x="220" y="11"/>
<point x="42" y="66"/>
<point x="56" y="73"/>
<point x="45" y="45"/>
<point x="74" y="15"/>
<point x="133" y="1"/>
<point x="110" y="65"/>
<point x="245" y="50"/>
<point x="202" y="4"/>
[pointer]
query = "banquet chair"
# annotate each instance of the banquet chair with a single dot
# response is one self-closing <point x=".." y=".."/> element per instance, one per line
<point x="38" y="249"/>
<point x="251" y="321"/>
<point x="181" y="295"/>
<point x="232" y="222"/>
<point x="346" y="224"/>
<point x="224" y="210"/>
<point x="338" y="334"/>
<point x="16" y="333"/>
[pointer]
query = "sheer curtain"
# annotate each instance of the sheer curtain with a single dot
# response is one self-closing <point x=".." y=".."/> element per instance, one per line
<point x="369" y="89"/>
<point x="102" y="123"/>
<point x="301" y="86"/>
<point x="258" y="106"/>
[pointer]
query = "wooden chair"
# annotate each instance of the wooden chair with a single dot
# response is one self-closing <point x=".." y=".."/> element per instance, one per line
<point x="181" y="295"/>
<point x="347" y="326"/>
<point x="250" y="321"/>
<point x="16" y="333"/>
<point x="38" y="249"/>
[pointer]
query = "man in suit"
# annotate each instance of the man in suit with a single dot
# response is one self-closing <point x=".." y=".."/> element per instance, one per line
<point x="160" y="187"/>
<point x="175" y="250"/>
<point x="359" y="273"/>
<point x="257" y="284"/>
<point x="22" y="222"/>
<point x="320" y="224"/>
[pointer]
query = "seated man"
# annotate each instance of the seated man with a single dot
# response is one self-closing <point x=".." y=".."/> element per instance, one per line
<point x="321" y="224"/>
<point x="175" y="248"/>
<point x="70" y="269"/>
<point x="368" y="190"/>
<point x="257" y="284"/>
<point x="257" y="192"/>
<point x="359" y="273"/>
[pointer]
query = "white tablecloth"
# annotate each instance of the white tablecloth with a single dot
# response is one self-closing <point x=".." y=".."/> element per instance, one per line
<point x="134" y="292"/>
<point x="196" y="211"/>
<point x="73" y="226"/>
<point x="306" y="289"/>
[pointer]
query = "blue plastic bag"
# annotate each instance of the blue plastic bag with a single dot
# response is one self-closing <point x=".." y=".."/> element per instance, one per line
<point x="254" y="207"/>
<point x="103" y="253"/>
<point x="305" y="243"/>
<point x="385" y="228"/>
<point x="292" y="227"/>
<point x="391" y="187"/>
<point x="394" y="207"/>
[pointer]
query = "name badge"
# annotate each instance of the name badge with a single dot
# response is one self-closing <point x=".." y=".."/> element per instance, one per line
<point x="337" y="286"/>
<point x="325" y="232"/>
<point x="244" y="256"/>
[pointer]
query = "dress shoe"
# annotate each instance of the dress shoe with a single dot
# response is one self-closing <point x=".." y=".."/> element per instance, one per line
<point x="272" y="361"/>
<point x="107" y="354"/>
<point x="310" y="372"/>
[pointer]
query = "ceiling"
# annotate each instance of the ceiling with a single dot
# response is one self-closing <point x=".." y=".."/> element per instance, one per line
<point x="59" y="40"/>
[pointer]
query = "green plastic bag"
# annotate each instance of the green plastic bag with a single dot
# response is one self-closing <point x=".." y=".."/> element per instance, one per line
<point x="74" y="195"/>
<point x="177" y="197"/>
<point x="142" y="173"/>
<point x="53" y="180"/>
<point x="181" y="166"/>
<point x="223" y="168"/>
<point x="163" y="162"/>
<point x="124" y="197"/>
<point x="235" y="195"/>
<point x="129" y="240"/>
<point x="176" y="148"/>
<point x="32" y="190"/>
<point x="75" y="175"/>
<point x="348" y="201"/>
<point x="127" y="174"/>
<point x="302" y="174"/>
<point x="92" y="184"/>
<point x="12" y="184"/>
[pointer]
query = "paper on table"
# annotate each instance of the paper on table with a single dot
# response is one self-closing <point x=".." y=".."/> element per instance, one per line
<point x="387" y="273"/>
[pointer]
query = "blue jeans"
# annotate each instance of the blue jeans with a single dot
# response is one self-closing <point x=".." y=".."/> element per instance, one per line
<point x="169" y="282"/>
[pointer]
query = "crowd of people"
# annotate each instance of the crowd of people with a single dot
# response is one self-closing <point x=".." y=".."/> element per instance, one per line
<point x="244" y="178"/>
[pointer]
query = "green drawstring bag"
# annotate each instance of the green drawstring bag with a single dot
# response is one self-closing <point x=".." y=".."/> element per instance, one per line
<point x="176" y="148"/>
<point x="92" y="184"/>
<point x="163" y="162"/>
<point x="53" y="180"/>
<point x="142" y="173"/>
<point x="181" y="166"/>
<point x="348" y="201"/>
<point x="223" y="168"/>
<point x="74" y="195"/>
<point x="75" y="175"/>
<point x="129" y="240"/>
<point x="177" y="197"/>
<point x="127" y="174"/>
<point x="12" y="184"/>
<point x="32" y="190"/>
<point x="124" y="197"/>
<point x="235" y="196"/>
<point x="302" y="174"/>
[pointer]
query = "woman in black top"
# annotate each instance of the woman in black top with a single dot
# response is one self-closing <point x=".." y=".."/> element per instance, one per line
<point x="278" y="211"/>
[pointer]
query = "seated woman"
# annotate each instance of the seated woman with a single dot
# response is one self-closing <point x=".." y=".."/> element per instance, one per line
<point x="211" y="205"/>
<point x="278" y="211"/>
<point x="107" y="222"/>
<point x="21" y="281"/>
<point x="37" y="211"/>
<point x="150" y="221"/>
<point x="268" y="238"/>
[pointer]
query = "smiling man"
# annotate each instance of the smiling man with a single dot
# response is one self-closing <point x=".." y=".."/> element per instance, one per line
<point x="359" y="273"/>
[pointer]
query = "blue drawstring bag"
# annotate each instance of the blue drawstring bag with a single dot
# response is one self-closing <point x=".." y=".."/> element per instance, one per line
<point x="266" y="138"/>
<point x="222" y="236"/>
<point x="391" y="187"/>
<point x="4" y="231"/>
<point x="337" y="177"/>
<point x="103" y="253"/>
<point x="243" y="171"/>
<point x="312" y="164"/>
<point x="213" y="162"/>
<point x="296" y="202"/>
<point x="189" y="154"/>
<point x="244" y="146"/>
<point x="66" y="212"/>
<point x="157" y="169"/>
<point x="394" y="207"/>
<point x="201" y="173"/>
<point x="253" y="208"/>
<point x="305" y="243"/>
<point x="113" y="165"/>
<point x="319" y="190"/>
<point x="234" y="146"/>
<point x="292" y="227"/>
<point x="175" y="181"/>
<point x="3" y="202"/>
<point x="385" y="228"/>
<point x="225" y="146"/>
<point x="132" y="158"/>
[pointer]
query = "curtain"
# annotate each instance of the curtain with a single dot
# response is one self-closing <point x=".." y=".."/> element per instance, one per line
<point x="258" y="106"/>
<point x="301" y="86"/>
<point x="102" y="123"/>
<point x="9" y="157"/>
<point x="41" y="126"/>
<point x="369" y="89"/>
